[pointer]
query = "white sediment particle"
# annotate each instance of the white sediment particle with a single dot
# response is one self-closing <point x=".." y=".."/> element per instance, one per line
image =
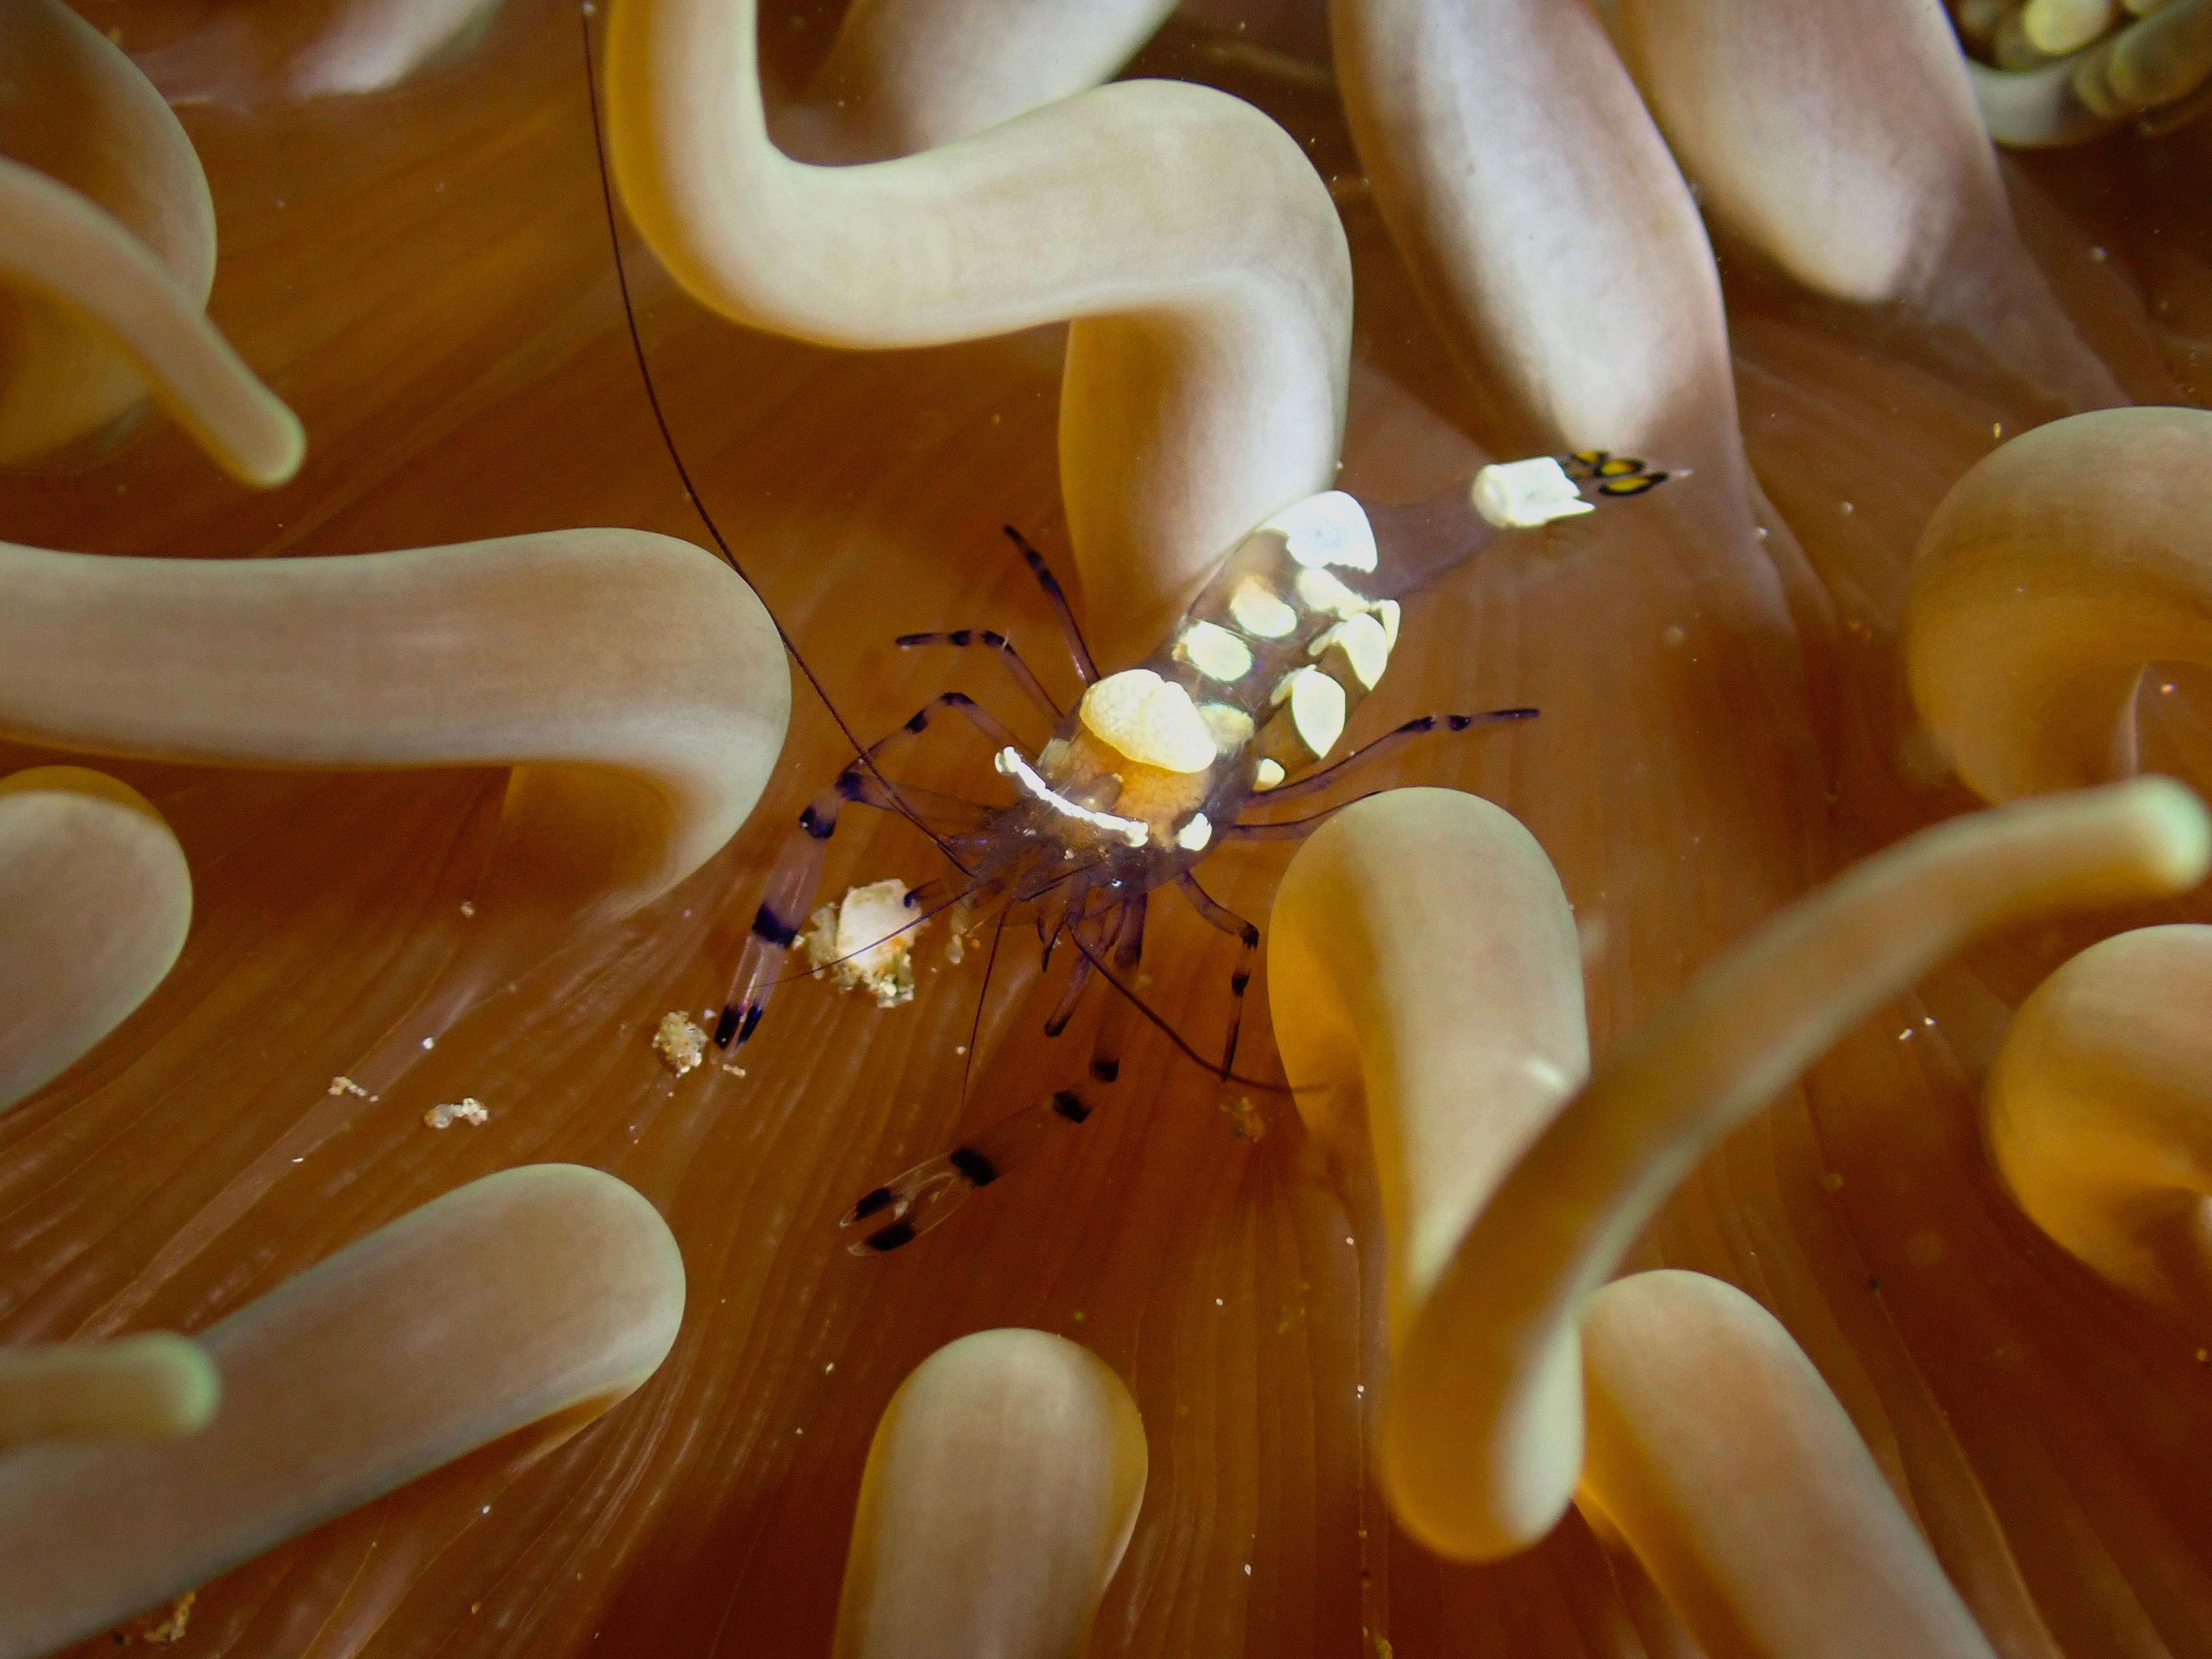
<point x="1231" y="727"/>
<point x="467" y="1109"/>
<point x="1215" y="652"/>
<point x="346" y="1086"/>
<point x="1151" y="720"/>
<point x="1193" y="836"/>
<point x="1268" y="775"/>
<point x="1317" y="709"/>
<point x="681" y="1043"/>
<point x="1330" y="528"/>
<point x="865" y="942"/>
<point x="1259" y="611"/>
<point x="1522" y="495"/>
<point x="1364" y="643"/>
<point x="1134" y="831"/>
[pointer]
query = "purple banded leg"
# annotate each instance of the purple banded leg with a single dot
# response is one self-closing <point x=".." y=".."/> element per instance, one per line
<point x="797" y="875"/>
<point x="1079" y="976"/>
<point x="904" y="1208"/>
<point x="1315" y="781"/>
<point x="1247" y="935"/>
<point x="1024" y="676"/>
<point x="1086" y="670"/>
<point x="1113" y="1033"/>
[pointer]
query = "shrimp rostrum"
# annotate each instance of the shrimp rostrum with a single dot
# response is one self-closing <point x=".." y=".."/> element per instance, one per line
<point x="1158" y="764"/>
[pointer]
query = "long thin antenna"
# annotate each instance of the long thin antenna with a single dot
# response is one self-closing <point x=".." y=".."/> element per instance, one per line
<point x="683" y="473"/>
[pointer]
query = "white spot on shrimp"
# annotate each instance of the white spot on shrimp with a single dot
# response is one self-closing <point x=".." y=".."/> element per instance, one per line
<point x="1231" y="727"/>
<point x="1330" y="528"/>
<point x="1388" y="612"/>
<point x="1268" y="775"/>
<point x="1259" y="611"/>
<point x="1317" y="709"/>
<point x="1193" y="836"/>
<point x="1011" y="764"/>
<point x="1522" y="495"/>
<point x="1364" y="642"/>
<point x="1150" y="720"/>
<point x="1319" y="591"/>
<point x="1215" y="652"/>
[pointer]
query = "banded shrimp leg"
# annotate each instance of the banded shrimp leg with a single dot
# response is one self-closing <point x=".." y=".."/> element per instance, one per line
<point x="798" y="872"/>
<point x="1247" y="935"/>
<point x="1396" y="738"/>
<point x="909" y="1205"/>
<point x="1079" y="649"/>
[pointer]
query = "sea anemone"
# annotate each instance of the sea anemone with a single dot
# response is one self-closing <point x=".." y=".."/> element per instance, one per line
<point x="1458" y="235"/>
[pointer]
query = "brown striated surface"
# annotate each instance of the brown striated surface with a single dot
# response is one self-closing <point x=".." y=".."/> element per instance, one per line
<point x="422" y="275"/>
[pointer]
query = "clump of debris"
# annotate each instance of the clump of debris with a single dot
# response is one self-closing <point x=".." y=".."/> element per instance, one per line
<point x="467" y="1109"/>
<point x="681" y="1043"/>
<point x="865" y="942"/>
<point x="1245" y="1122"/>
<point x="162" y="1626"/>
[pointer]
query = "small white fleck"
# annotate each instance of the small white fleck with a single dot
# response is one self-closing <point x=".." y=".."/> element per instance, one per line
<point x="828" y="1368"/>
<point x="429" y="1042"/>
<point x="1360" y="1389"/>
<point x="467" y="907"/>
<point x="1848" y="508"/>
<point x="299" y="1160"/>
<point x="485" y="1511"/>
<point x="1247" y="1569"/>
<point x="1217" y="1302"/>
<point x="1905" y="1034"/>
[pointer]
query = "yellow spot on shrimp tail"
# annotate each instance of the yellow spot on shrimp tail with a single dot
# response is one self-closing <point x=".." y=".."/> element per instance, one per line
<point x="1481" y="1440"/>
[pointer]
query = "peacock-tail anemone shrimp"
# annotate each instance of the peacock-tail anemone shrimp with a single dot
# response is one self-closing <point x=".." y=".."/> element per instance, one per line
<point x="1154" y="767"/>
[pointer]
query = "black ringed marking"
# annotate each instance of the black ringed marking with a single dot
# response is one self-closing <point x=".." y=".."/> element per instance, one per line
<point x="879" y="1200"/>
<point x="899" y="1233"/>
<point x="920" y="720"/>
<point x="1250" y="935"/>
<point x="849" y="783"/>
<point x="1237" y="982"/>
<point x="979" y="1169"/>
<point x="1069" y="1104"/>
<point x="961" y="636"/>
<point x="745" y="1030"/>
<point x="726" y="1026"/>
<point x="816" y="825"/>
<point x="773" y="928"/>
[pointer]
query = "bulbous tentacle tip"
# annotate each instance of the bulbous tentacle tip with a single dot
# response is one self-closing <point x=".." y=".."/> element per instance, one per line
<point x="155" y="1386"/>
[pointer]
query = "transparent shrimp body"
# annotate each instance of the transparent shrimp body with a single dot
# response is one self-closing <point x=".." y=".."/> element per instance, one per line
<point x="1157" y="765"/>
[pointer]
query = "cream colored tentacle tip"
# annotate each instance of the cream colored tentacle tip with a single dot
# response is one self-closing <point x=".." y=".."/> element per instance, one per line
<point x="1230" y="352"/>
<point x="1843" y="140"/>
<point x="2056" y="568"/>
<point x="95" y="901"/>
<point x="1000" y="1491"/>
<point x="1717" y="1455"/>
<point x="98" y="315"/>
<point x="538" y="1297"/>
<point x="1481" y="1443"/>
<point x="633" y="684"/>
<point x="2097" y="1114"/>
<point x="2153" y="70"/>
<point x="148" y="1387"/>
